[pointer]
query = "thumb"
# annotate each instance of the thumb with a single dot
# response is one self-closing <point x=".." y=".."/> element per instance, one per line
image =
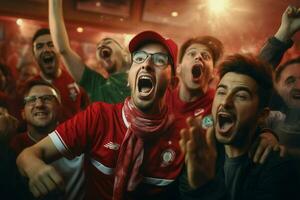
<point x="211" y="137"/>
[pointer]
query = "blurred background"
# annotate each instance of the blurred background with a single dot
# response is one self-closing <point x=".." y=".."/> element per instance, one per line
<point x="242" y="25"/>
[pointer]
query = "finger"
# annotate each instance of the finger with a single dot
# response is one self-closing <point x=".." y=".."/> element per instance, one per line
<point x="183" y="139"/>
<point x="276" y="148"/>
<point x="194" y="142"/>
<point x="259" y="151"/>
<point x="34" y="191"/>
<point x="211" y="137"/>
<point x="265" y="154"/>
<point x="198" y="137"/>
<point x="283" y="151"/>
<point x="57" y="180"/>
<point x="40" y="187"/>
<point x="288" y="10"/>
<point x="49" y="183"/>
<point x="253" y="148"/>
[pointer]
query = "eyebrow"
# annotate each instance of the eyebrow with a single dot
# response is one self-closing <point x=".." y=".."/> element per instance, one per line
<point x="205" y="50"/>
<point x="239" y="88"/>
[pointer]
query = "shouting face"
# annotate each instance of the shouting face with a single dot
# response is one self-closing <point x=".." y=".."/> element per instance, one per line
<point x="149" y="76"/>
<point x="46" y="56"/>
<point x="110" y="54"/>
<point x="235" y="108"/>
<point x="195" y="70"/>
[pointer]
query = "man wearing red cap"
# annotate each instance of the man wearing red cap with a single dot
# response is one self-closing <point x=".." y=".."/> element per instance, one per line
<point x="132" y="147"/>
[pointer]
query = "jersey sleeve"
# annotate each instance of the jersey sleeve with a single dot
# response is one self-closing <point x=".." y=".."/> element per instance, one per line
<point x="76" y="135"/>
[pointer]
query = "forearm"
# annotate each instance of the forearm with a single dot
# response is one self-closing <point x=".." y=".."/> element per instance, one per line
<point x="273" y="51"/>
<point x="28" y="160"/>
<point x="57" y="26"/>
<point x="61" y="42"/>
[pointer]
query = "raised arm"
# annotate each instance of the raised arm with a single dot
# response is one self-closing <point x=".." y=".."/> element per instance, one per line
<point x="61" y="41"/>
<point x="290" y="24"/>
<point x="275" y="47"/>
<point x="43" y="178"/>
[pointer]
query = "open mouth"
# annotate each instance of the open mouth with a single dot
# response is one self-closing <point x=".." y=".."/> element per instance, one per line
<point x="225" y="122"/>
<point x="48" y="59"/>
<point x="41" y="114"/>
<point x="196" y="71"/>
<point x="105" y="52"/>
<point x="296" y="95"/>
<point x="145" y="85"/>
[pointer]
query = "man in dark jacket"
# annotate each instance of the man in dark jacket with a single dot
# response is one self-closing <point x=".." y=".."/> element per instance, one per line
<point x="239" y="106"/>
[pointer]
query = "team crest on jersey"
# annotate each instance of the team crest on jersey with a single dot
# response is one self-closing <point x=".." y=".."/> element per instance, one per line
<point x="112" y="146"/>
<point x="73" y="91"/>
<point x="198" y="112"/>
<point x="167" y="157"/>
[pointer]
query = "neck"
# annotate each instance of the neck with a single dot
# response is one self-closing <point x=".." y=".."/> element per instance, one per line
<point x="37" y="134"/>
<point x="241" y="145"/>
<point x="155" y="108"/>
<point x="49" y="78"/>
<point x="188" y="95"/>
<point x="233" y="152"/>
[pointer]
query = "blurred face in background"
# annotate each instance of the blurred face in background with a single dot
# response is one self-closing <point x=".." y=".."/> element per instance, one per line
<point x="288" y="86"/>
<point x="111" y="55"/>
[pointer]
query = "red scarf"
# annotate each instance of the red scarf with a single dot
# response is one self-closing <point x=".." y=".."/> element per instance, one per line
<point x="141" y="128"/>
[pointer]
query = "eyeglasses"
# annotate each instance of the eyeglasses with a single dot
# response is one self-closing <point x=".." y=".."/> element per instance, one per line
<point x="31" y="100"/>
<point x="159" y="59"/>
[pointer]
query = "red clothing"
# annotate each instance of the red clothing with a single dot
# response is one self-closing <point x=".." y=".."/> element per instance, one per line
<point x="99" y="131"/>
<point x="74" y="98"/>
<point x="71" y="171"/>
<point x="201" y="106"/>
<point x="20" y="142"/>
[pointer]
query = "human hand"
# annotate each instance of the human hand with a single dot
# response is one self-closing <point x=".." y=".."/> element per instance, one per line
<point x="290" y="24"/>
<point x="200" y="152"/>
<point x="262" y="147"/>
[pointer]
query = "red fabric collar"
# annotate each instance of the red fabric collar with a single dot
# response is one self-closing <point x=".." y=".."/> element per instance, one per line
<point x="141" y="128"/>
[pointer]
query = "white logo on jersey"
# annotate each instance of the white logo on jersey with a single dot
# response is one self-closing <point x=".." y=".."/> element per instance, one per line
<point x="167" y="157"/>
<point x="112" y="146"/>
<point x="198" y="112"/>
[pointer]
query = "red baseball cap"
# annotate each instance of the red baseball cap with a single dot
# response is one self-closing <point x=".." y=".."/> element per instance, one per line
<point x="150" y="36"/>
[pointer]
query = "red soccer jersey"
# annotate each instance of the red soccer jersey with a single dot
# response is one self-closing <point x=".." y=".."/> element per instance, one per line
<point x="99" y="131"/>
<point x="74" y="98"/>
<point x="201" y="106"/>
<point x="71" y="170"/>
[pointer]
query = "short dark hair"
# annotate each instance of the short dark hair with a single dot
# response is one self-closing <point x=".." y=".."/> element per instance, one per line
<point x="37" y="81"/>
<point x="214" y="45"/>
<point x="251" y="66"/>
<point x="282" y="67"/>
<point x="39" y="32"/>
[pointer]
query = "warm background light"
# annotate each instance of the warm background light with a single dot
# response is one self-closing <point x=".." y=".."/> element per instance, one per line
<point x="79" y="29"/>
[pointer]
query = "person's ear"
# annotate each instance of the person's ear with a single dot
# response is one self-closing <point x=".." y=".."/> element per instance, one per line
<point x="23" y="114"/>
<point x="127" y="57"/>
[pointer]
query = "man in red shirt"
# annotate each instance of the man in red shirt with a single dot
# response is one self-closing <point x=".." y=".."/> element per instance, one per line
<point x="197" y="59"/>
<point x="73" y="97"/>
<point x="132" y="147"/>
<point x="42" y="104"/>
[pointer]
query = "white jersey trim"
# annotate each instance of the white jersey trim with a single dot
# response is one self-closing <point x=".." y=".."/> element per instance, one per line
<point x="101" y="167"/>
<point x="60" y="144"/>
<point x="157" y="181"/>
